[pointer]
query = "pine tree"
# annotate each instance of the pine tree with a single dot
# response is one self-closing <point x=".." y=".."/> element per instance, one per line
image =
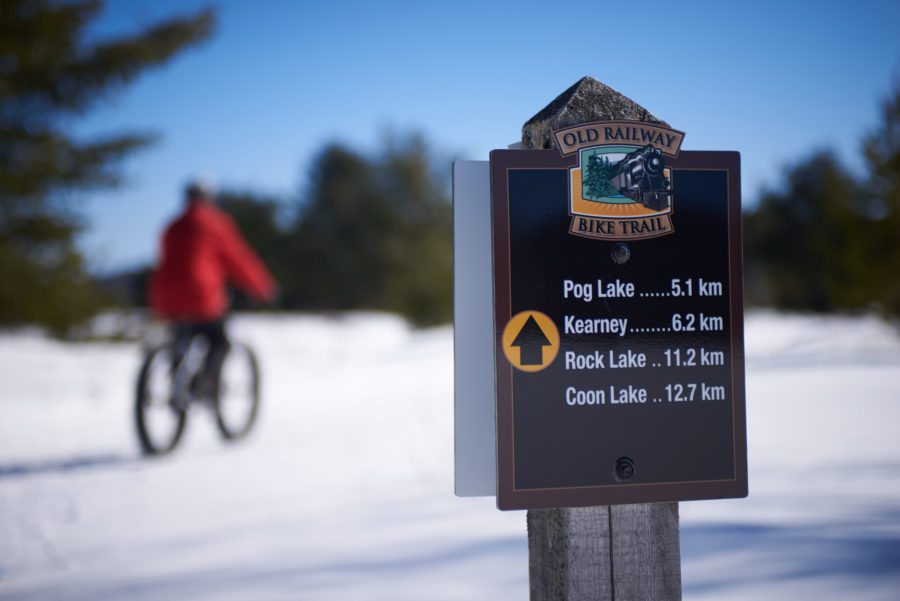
<point x="597" y="180"/>
<point x="802" y="243"/>
<point x="881" y="148"/>
<point x="373" y="233"/>
<point x="49" y="74"/>
<point x="828" y="240"/>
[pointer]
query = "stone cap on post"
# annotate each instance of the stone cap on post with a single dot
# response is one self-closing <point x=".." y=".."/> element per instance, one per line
<point x="588" y="100"/>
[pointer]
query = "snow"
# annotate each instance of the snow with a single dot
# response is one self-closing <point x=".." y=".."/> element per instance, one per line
<point x="344" y="489"/>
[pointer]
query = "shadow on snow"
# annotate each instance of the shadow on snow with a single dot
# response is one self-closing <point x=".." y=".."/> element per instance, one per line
<point x="860" y="550"/>
<point x="64" y="465"/>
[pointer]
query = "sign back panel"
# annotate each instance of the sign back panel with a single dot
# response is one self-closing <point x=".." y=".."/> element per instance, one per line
<point x="618" y="333"/>
<point x="475" y="472"/>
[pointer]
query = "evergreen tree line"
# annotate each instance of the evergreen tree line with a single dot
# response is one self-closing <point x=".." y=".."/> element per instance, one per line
<point x="373" y="232"/>
<point x="598" y="177"/>
<point x="827" y="239"/>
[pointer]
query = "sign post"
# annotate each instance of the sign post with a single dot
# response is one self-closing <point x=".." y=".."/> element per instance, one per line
<point x="618" y="342"/>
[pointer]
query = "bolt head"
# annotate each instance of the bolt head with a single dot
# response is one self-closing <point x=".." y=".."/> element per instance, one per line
<point x="624" y="468"/>
<point x="621" y="252"/>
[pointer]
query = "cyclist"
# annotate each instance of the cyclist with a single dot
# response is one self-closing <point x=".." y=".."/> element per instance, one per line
<point x="201" y="252"/>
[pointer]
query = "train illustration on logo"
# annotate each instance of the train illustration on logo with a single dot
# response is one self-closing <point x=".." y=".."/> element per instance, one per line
<point x="641" y="176"/>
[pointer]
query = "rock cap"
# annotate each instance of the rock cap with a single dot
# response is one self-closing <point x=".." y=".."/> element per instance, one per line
<point x="588" y="100"/>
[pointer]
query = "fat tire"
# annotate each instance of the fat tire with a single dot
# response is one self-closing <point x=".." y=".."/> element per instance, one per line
<point x="148" y="444"/>
<point x="228" y="430"/>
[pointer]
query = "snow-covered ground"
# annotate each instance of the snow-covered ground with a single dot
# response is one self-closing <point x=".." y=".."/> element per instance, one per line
<point x="344" y="490"/>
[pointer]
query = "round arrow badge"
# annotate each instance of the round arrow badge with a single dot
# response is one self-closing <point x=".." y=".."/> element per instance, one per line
<point x="530" y="341"/>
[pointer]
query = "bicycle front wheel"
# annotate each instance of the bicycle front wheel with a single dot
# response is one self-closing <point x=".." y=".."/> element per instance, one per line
<point x="160" y="423"/>
<point x="237" y="402"/>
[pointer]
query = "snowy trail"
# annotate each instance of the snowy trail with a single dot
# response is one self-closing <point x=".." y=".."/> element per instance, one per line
<point x="344" y="491"/>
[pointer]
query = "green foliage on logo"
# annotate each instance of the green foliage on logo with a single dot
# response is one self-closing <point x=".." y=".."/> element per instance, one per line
<point x="596" y="177"/>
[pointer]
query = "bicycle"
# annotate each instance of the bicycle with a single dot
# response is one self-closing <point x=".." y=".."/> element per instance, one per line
<point x="173" y="378"/>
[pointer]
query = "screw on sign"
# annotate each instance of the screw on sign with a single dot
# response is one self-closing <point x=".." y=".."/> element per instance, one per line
<point x="624" y="468"/>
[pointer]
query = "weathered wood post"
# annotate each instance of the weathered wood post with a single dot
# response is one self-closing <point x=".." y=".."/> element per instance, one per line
<point x="611" y="553"/>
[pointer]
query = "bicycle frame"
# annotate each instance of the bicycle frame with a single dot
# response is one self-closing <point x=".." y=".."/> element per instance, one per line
<point x="180" y="364"/>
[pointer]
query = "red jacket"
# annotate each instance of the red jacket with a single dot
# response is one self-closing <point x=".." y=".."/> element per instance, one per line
<point x="202" y="251"/>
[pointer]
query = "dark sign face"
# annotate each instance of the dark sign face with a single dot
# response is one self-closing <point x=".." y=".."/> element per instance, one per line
<point x="619" y="326"/>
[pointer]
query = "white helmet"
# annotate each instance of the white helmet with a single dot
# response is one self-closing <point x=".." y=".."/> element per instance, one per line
<point x="201" y="186"/>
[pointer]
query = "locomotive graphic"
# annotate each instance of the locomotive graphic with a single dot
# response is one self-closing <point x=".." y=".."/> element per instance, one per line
<point x="640" y="176"/>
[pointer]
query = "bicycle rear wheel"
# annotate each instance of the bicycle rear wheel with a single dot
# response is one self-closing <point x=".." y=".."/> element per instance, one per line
<point x="160" y="423"/>
<point x="237" y="402"/>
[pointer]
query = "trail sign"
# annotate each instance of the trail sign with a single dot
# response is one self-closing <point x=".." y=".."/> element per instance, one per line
<point x="618" y="309"/>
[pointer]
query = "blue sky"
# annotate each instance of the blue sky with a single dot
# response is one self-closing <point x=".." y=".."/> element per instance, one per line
<point x="773" y="80"/>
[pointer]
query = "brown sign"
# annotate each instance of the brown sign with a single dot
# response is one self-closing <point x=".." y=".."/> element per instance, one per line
<point x="619" y="361"/>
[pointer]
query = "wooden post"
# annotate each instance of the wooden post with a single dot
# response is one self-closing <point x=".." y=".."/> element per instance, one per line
<point x="621" y="552"/>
